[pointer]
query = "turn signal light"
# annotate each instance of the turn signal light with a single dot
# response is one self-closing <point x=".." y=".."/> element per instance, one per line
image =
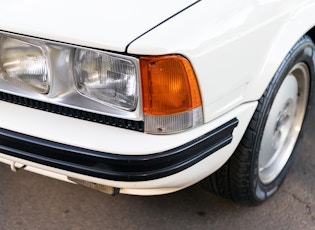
<point x="171" y="97"/>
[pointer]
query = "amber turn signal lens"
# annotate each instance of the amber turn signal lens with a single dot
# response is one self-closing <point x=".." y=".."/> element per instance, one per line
<point x="169" y="85"/>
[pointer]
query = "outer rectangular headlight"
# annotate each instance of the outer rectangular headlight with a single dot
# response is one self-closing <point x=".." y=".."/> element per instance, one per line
<point x="107" y="78"/>
<point x="24" y="65"/>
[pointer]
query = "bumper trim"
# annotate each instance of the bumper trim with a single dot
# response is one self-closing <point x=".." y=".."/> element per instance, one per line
<point x="113" y="166"/>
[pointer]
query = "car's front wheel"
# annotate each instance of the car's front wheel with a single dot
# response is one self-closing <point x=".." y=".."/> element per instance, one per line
<point x="261" y="161"/>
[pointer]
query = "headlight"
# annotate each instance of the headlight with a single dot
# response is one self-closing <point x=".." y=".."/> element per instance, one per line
<point x="24" y="65"/>
<point x="154" y="94"/>
<point x="106" y="78"/>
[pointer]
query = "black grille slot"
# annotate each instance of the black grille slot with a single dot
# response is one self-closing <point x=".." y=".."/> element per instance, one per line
<point x="75" y="113"/>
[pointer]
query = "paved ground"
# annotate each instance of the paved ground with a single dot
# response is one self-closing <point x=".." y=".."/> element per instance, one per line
<point x="30" y="201"/>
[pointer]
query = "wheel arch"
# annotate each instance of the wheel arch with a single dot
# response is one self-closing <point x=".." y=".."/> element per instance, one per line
<point x="311" y="33"/>
<point x="301" y="23"/>
<point x="248" y="178"/>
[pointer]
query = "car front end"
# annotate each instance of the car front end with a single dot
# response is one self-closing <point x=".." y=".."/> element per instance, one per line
<point x="107" y="96"/>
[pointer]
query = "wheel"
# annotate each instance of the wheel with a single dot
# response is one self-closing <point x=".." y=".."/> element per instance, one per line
<point x="259" y="165"/>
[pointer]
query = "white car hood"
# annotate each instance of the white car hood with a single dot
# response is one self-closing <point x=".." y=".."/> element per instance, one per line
<point x="104" y="24"/>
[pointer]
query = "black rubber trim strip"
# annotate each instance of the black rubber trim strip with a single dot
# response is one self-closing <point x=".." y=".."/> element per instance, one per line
<point x="75" y="113"/>
<point x="114" y="166"/>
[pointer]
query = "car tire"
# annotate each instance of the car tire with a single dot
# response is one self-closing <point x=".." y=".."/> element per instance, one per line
<point x="267" y="150"/>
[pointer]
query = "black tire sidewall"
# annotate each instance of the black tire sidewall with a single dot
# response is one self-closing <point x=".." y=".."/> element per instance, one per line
<point x="301" y="52"/>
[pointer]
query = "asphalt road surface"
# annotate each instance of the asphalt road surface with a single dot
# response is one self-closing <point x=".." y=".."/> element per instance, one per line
<point x="30" y="201"/>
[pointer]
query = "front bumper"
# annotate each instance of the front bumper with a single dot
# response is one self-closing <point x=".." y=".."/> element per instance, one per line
<point x="113" y="166"/>
<point x="102" y="141"/>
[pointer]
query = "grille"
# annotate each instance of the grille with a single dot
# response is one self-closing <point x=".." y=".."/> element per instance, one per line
<point x="75" y="113"/>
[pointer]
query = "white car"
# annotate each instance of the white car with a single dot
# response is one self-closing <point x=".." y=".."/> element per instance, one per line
<point x="148" y="98"/>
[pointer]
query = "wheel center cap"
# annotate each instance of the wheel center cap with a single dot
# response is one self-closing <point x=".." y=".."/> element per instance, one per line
<point x="280" y="122"/>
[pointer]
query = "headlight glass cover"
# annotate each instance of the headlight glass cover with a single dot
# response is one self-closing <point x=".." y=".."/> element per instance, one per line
<point x="24" y="65"/>
<point x="106" y="78"/>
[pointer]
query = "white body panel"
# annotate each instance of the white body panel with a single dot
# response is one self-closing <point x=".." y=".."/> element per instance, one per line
<point x="110" y="25"/>
<point x="235" y="48"/>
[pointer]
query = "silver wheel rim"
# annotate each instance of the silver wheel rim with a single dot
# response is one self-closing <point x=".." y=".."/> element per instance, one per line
<point x="284" y="123"/>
